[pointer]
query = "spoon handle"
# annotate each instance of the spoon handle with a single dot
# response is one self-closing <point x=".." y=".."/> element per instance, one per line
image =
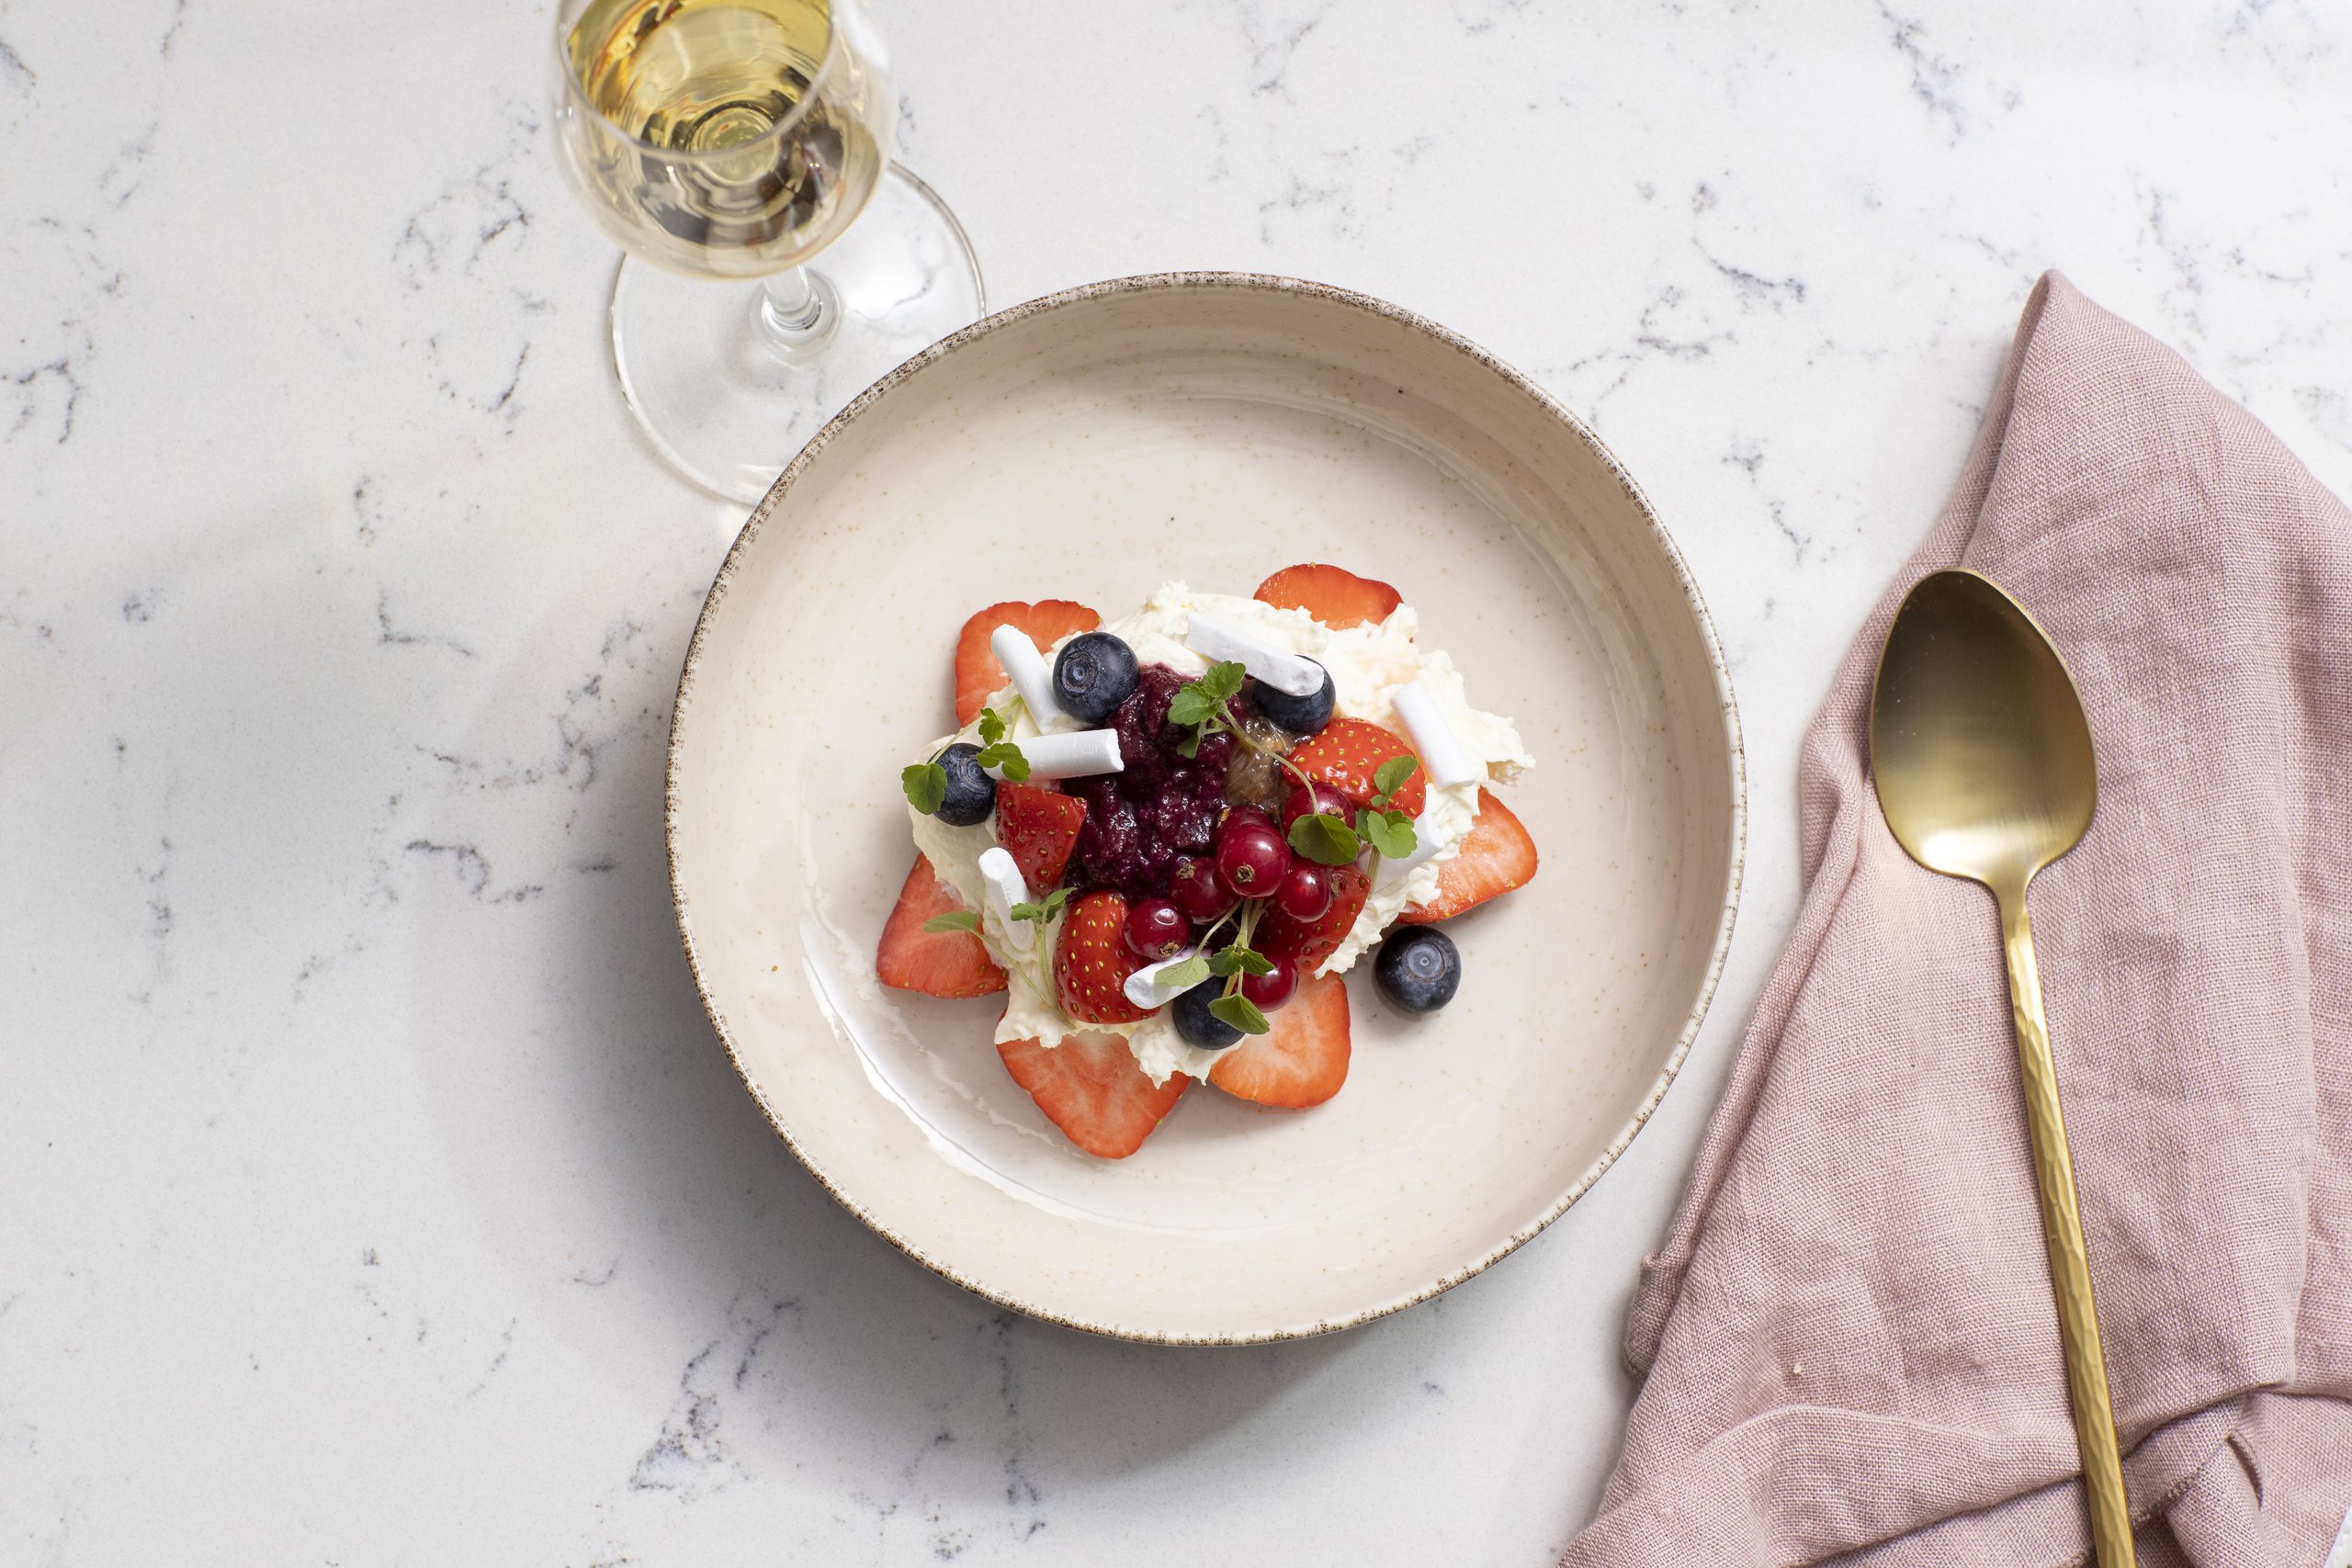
<point x="2061" y="1229"/>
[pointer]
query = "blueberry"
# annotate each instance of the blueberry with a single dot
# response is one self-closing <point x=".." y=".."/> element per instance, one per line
<point x="1300" y="715"/>
<point x="1419" y="969"/>
<point x="971" y="793"/>
<point x="1197" y="1024"/>
<point x="1093" y="675"/>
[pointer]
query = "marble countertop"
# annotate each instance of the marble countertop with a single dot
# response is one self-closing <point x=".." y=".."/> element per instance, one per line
<point x="371" y="1189"/>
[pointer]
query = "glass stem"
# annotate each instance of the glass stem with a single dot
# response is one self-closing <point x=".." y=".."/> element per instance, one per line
<point x="796" y="313"/>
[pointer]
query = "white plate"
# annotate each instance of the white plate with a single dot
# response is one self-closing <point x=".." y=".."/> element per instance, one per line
<point x="1210" y="427"/>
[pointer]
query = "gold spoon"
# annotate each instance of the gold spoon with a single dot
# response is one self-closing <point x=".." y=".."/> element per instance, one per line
<point x="1983" y="765"/>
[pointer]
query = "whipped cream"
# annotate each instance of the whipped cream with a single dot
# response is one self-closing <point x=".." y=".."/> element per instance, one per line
<point x="1369" y="665"/>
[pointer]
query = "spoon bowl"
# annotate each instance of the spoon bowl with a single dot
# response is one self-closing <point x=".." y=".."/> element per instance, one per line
<point x="1978" y="742"/>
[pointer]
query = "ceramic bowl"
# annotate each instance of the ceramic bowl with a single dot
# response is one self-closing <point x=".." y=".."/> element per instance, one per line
<point x="1207" y="427"/>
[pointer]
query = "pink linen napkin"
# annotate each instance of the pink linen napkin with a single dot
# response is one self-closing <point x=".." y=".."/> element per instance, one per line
<point x="1851" y="1349"/>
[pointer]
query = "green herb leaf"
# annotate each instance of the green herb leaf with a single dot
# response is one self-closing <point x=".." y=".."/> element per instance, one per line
<point x="926" y="786"/>
<point x="1391" y="832"/>
<point x="1239" y="961"/>
<point x="1200" y="702"/>
<point x="1191" y="745"/>
<point x="1045" y="909"/>
<point x="1241" y="1013"/>
<point x="1190" y="705"/>
<point x="954" y="921"/>
<point x="992" y="726"/>
<point x="1006" y="758"/>
<point x="1391" y="776"/>
<point x="1185" y="976"/>
<point x="1325" y="839"/>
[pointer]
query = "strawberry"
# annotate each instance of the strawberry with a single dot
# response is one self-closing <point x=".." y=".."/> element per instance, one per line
<point x="1497" y="857"/>
<point x="1331" y="594"/>
<point x="1303" y="1060"/>
<point x="1039" y="829"/>
<point x="1091" y="966"/>
<point x="938" y="964"/>
<point x="1348" y="754"/>
<point x="979" y="676"/>
<point x="1309" y="943"/>
<point x="1090" y="1087"/>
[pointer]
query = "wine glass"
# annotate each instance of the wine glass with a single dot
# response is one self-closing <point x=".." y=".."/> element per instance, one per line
<point x="724" y="143"/>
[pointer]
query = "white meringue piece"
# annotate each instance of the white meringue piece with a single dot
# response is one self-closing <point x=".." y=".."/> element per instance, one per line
<point x="1442" y="754"/>
<point x="1005" y="887"/>
<point x="1071" y="755"/>
<point x="1425" y="845"/>
<point x="1277" y="667"/>
<point x="1031" y="676"/>
<point x="1144" y="989"/>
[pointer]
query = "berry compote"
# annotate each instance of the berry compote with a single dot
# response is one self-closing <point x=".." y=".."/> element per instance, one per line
<point x="1162" y="807"/>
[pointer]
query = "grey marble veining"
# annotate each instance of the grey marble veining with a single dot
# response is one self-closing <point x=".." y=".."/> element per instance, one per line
<point x="371" y="1191"/>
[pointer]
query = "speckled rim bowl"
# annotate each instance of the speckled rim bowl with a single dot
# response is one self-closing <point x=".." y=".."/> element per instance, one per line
<point x="1210" y="427"/>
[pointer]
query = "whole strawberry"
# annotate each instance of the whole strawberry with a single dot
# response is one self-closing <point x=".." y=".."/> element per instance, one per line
<point x="1347" y="756"/>
<point x="1091" y="966"/>
<point x="1038" y="828"/>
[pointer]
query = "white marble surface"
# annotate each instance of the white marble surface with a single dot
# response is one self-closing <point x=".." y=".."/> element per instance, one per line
<point x="370" y="1189"/>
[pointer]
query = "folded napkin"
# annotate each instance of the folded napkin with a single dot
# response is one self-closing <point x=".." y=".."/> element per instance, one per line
<point x="1851" y="1349"/>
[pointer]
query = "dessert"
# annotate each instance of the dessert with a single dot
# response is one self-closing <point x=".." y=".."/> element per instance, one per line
<point x="1167" y="838"/>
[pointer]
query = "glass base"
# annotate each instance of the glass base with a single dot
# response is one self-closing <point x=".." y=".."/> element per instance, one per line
<point x="728" y="411"/>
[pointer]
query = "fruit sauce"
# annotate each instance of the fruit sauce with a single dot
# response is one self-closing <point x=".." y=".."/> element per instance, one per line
<point x="1160" y="807"/>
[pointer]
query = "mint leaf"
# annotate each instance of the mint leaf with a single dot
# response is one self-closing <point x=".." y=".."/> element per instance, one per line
<point x="1186" y="975"/>
<point x="1191" y="745"/>
<point x="1391" y="776"/>
<point x="1325" y="839"/>
<point x="954" y="921"/>
<point x="926" y="786"/>
<point x="1223" y="681"/>
<point x="1005" y="757"/>
<point x="1190" y="706"/>
<point x="1240" y="1012"/>
<point x="992" y="726"/>
<point x="1391" y="832"/>
<point x="1239" y="961"/>
<point x="1043" y="911"/>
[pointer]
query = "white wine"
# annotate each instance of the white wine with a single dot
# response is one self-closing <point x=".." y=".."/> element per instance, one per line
<point x="728" y="138"/>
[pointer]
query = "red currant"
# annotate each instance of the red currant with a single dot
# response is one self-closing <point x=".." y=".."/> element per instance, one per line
<point x="1157" y="928"/>
<point x="1193" y="887"/>
<point x="1243" y="815"/>
<point x="1272" y="988"/>
<point x="1305" y="894"/>
<point x="1322" y="799"/>
<point x="1251" y="860"/>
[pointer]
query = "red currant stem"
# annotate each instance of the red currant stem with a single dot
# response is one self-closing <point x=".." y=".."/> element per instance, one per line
<point x="1250" y="909"/>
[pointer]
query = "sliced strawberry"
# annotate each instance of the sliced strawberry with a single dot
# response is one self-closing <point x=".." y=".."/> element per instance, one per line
<point x="1303" y="1060"/>
<point x="1091" y="966"/>
<point x="938" y="964"/>
<point x="1038" y="828"/>
<point x="1090" y="1087"/>
<point x="1497" y="857"/>
<point x="1333" y="595"/>
<point x="1311" y="941"/>
<point x="979" y="676"/>
<point x="1349" y="752"/>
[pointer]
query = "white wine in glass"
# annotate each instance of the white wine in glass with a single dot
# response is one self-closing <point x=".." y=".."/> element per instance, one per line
<point x="734" y="140"/>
